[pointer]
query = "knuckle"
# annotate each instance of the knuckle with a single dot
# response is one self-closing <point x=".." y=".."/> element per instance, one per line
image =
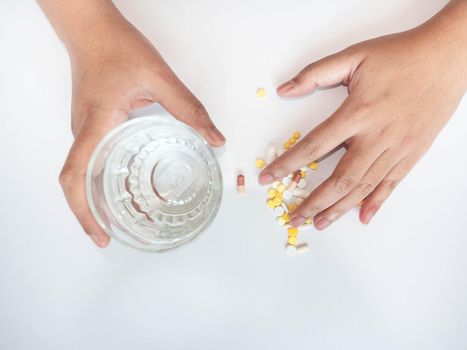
<point x="390" y="183"/>
<point x="343" y="184"/>
<point x="364" y="189"/>
<point x="66" y="177"/>
<point x="307" y="149"/>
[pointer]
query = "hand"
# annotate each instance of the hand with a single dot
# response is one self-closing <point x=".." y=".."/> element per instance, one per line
<point x="121" y="73"/>
<point x="402" y="90"/>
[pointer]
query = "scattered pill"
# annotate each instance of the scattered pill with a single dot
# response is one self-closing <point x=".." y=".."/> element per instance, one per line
<point x="281" y="188"/>
<point x="301" y="184"/>
<point x="276" y="201"/>
<point x="284" y="206"/>
<point x="285" y="217"/>
<point x="241" y="184"/>
<point x="287" y="195"/>
<point x="292" y="141"/>
<point x="292" y="240"/>
<point x="290" y="249"/>
<point x="272" y="193"/>
<point x="279" y="211"/>
<point x="292" y="207"/>
<point x="260" y="163"/>
<point x="261" y="92"/>
<point x="303" y="173"/>
<point x="275" y="184"/>
<point x="270" y="204"/>
<point x="295" y="179"/>
<point x="293" y="231"/>
<point x="313" y="166"/>
<point x="287" y="145"/>
<point x="297" y="134"/>
<point x="270" y="154"/>
<point x="301" y="193"/>
<point x="302" y="248"/>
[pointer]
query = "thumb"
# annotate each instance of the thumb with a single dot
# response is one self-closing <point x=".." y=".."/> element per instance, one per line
<point x="327" y="72"/>
<point x="180" y="102"/>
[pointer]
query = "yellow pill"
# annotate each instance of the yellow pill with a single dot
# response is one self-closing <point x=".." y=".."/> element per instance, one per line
<point x="303" y="173"/>
<point x="308" y="222"/>
<point x="272" y="193"/>
<point x="285" y="216"/>
<point x="261" y="92"/>
<point x="279" y="195"/>
<point x="292" y="240"/>
<point x="281" y="188"/>
<point x="277" y="201"/>
<point x="314" y="166"/>
<point x="270" y="204"/>
<point x="260" y="163"/>
<point x="287" y="145"/>
<point x="292" y="207"/>
<point x="292" y="141"/>
<point x="297" y="134"/>
<point x="292" y="231"/>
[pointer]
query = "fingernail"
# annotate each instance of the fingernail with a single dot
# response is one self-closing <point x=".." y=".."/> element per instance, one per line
<point x="369" y="213"/>
<point x="265" y="179"/>
<point x="96" y="239"/>
<point x="321" y="223"/>
<point x="286" y="87"/>
<point x="297" y="221"/>
<point x="216" y="135"/>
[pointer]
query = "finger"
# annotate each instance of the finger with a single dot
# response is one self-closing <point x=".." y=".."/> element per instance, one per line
<point x="374" y="201"/>
<point x="377" y="172"/>
<point x="321" y="140"/>
<point x="348" y="173"/>
<point x="73" y="175"/>
<point x="175" y="97"/>
<point x="329" y="71"/>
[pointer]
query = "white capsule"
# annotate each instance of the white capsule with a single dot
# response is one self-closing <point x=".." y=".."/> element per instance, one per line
<point x="300" y="193"/>
<point x="290" y="249"/>
<point x="286" y="181"/>
<point x="270" y="154"/>
<point x="301" y="183"/>
<point x="287" y="195"/>
<point x="278" y="211"/>
<point x="275" y="184"/>
<point x="284" y="206"/>
<point x="305" y="227"/>
<point x="299" y="201"/>
<point x="302" y="248"/>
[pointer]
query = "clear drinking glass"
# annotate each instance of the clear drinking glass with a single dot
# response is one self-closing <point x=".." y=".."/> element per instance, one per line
<point x="153" y="183"/>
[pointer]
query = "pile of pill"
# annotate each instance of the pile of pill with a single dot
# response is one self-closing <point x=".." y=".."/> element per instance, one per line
<point x="284" y="196"/>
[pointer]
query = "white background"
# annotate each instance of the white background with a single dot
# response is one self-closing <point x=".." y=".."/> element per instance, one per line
<point x="400" y="283"/>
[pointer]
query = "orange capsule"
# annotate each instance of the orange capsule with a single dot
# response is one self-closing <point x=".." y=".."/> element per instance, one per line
<point x="241" y="184"/>
<point x="297" y="176"/>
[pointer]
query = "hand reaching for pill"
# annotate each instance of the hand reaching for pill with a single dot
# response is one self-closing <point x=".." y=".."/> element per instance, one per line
<point x="115" y="70"/>
<point x="403" y="89"/>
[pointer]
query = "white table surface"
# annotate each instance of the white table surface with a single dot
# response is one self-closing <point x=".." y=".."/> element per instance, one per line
<point x="400" y="283"/>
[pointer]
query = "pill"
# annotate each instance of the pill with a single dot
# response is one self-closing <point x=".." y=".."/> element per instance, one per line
<point x="286" y="181"/>
<point x="292" y="231"/>
<point x="308" y="222"/>
<point x="313" y="165"/>
<point x="292" y="141"/>
<point x="260" y="163"/>
<point x="305" y="227"/>
<point x="261" y="92"/>
<point x="241" y="184"/>
<point x="301" y="184"/>
<point x="279" y="195"/>
<point x="295" y="179"/>
<point x="281" y="220"/>
<point x="285" y="217"/>
<point x="297" y="134"/>
<point x="276" y="201"/>
<point x="281" y="188"/>
<point x="303" y="169"/>
<point x="290" y="249"/>
<point x="287" y="145"/>
<point x="303" y="173"/>
<point x="270" y="154"/>
<point x="298" y="192"/>
<point x="287" y="195"/>
<point x="272" y="193"/>
<point x="292" y="240"/>
<point x="302" y="248"/>
<point x="284" y="206"/>
<point x="299" y="201"/>
<point x="275" y="184"/>
<point x="270" y="204"/>
<point x="292" y="207"/>
<point x="278" y="211"/>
